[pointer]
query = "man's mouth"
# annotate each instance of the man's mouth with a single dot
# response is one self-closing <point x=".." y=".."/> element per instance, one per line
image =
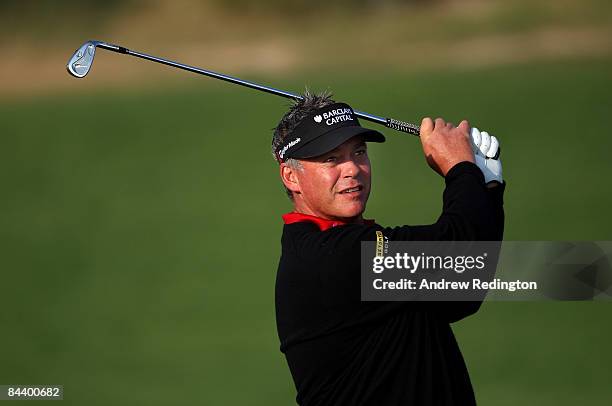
<point x="355" y="189"/>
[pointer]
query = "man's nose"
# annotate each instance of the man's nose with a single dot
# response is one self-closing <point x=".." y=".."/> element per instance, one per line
<point x="350" y="169"/>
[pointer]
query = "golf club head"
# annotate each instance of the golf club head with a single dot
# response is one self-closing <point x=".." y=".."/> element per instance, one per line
<point x="80" y="63"/>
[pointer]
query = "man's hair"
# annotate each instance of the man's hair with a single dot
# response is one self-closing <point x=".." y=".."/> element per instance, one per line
<point x="297" y="112"/>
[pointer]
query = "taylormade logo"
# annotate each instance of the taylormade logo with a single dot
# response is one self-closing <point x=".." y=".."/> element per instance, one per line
<point x="283" y="151"/>
<point x="335" y="116"/>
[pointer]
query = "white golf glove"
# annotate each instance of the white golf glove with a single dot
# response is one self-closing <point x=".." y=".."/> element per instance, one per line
<point x="486" y="153"/>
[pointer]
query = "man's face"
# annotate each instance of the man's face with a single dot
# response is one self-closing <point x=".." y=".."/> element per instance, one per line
<point x="335" y="185"/>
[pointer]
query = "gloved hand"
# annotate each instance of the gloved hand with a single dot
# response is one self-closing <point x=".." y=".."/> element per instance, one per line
<point x="486" y="154"/>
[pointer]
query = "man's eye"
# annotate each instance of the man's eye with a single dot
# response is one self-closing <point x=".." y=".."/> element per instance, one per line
<point x="360" y="152"/>
<point x="330" y="159"/>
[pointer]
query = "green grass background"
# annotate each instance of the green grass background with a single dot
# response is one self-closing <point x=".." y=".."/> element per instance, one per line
<point x="140" y="232"/>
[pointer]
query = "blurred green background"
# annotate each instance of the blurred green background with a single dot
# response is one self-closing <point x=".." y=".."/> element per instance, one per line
<point x="140" y="225"/>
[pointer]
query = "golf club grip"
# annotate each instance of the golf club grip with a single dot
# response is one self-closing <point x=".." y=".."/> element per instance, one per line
<point x="403" y="126"/>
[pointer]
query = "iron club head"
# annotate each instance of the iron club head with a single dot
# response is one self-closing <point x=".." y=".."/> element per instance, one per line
<point x="80" y="63"/>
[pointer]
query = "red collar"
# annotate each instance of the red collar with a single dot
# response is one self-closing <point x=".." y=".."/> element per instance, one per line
<point x="322" y="223"/>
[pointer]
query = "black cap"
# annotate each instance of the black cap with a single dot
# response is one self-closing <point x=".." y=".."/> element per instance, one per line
<point x="322" y="131"/>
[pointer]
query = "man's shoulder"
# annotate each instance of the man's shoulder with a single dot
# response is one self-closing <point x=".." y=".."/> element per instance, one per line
<point x="307" y="237"/>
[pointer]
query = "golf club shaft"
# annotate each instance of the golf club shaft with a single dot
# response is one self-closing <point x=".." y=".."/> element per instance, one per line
<point x="388" y="122"/>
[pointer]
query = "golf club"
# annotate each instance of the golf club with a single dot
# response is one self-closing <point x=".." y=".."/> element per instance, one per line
<point x="80" y="64"/>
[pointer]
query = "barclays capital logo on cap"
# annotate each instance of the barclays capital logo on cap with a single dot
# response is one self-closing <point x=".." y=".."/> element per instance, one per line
<point x="335" y="116"/>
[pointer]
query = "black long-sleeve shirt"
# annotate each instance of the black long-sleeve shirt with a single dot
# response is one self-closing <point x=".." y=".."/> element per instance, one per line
<point x="342" y="351"/>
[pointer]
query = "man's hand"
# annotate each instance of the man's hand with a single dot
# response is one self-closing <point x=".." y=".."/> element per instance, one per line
<point x="486" y="151"/>
<point x="445" y="145"/>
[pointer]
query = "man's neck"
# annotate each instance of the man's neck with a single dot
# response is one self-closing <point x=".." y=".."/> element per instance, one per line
<point x="347" y="220"/>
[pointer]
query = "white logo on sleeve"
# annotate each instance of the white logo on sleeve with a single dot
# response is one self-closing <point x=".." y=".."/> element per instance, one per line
<point x="318" y="118"/>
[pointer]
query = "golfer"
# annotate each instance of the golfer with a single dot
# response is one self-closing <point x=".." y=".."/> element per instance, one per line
<point x="340" y="350"/>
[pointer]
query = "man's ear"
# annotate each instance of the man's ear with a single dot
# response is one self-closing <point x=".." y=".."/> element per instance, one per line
<point x="289" y="178"/>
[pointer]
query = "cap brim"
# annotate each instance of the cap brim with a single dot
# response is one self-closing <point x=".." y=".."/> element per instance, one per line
<point x="333" y="139"/>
